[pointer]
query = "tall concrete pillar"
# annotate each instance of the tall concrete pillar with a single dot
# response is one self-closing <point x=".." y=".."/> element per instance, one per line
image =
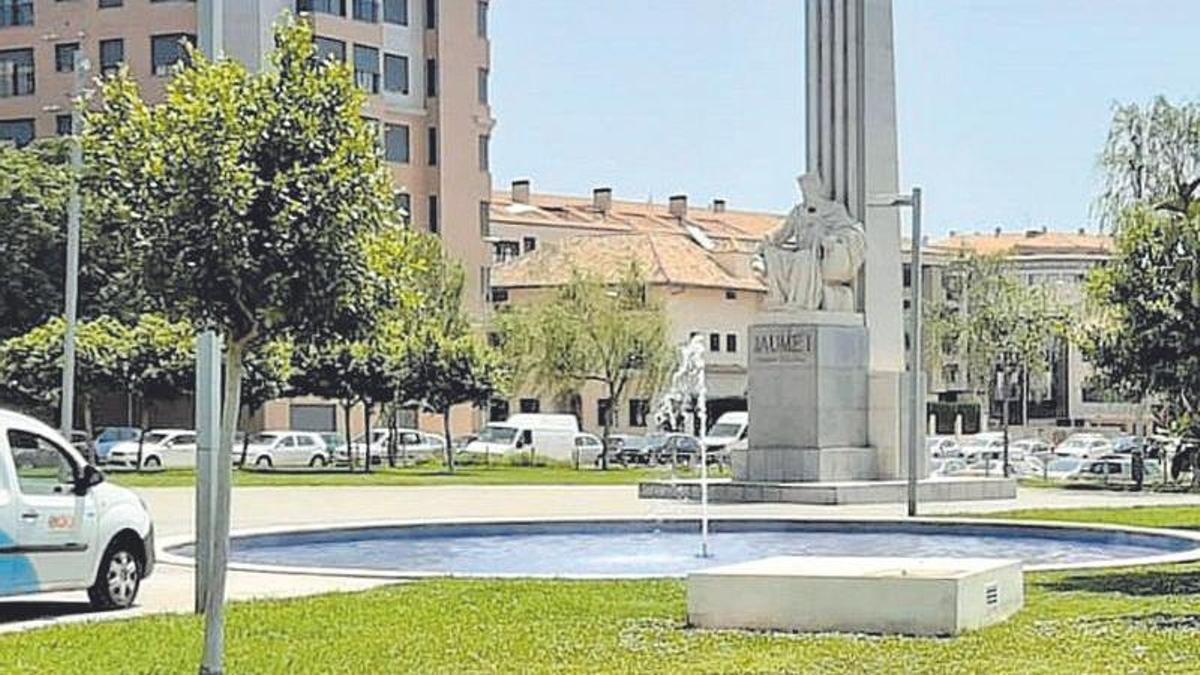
<point x="851" y="143"/>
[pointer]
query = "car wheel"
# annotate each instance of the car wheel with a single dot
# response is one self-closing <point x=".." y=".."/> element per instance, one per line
<point x="151" y="463"/>
<point x="118" y="580"/>
<point x="317" y="462"/>
<point x="263" y="462"/>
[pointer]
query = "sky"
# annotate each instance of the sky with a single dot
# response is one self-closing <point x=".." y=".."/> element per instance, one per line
<point x="1003" y="105"/>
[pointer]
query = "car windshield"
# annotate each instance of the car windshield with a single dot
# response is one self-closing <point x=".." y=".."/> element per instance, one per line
<point x="1079" y="441"/>
<point x="497" y="434"/>
<point x="1063" y="465"/>
<point x="376" y="436"/>
<point x="725" y="429"/>
<point x="114" y="434"/>
<point x="635" y="442"/>
<point x="154" y="438"/>
<point x="263" y="439"/>
<point x="977" y="442"/>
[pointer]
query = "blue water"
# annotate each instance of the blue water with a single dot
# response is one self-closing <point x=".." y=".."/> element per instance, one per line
<point x="670" y="548"/>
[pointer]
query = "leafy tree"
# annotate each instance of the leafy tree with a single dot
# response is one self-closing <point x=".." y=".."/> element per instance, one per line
<point x="1151" y="158"/>
<point x="268" y="368"/>
<point x="247" y="197"/>
<point x="154" y="361"/>
<point x="590" y="331"/>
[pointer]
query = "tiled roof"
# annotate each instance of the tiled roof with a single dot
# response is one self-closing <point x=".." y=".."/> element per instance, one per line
<point x="1034" y="242"/>
<point x="625" y="216"/>
<point x="665" y="259"/>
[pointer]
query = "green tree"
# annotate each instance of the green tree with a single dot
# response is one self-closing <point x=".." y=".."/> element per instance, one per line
<point x="591" y="331"/>
<point x="1151" y="158"/>
<point x="266" y="371"/>
<point x="245" y="199"/>
<point x="154" y="361"/>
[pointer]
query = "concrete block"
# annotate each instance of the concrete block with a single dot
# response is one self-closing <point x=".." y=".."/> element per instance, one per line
<point x="909" y="596"/>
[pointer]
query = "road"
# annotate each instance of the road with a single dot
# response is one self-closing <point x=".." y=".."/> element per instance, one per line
<point x="170" y="588"/>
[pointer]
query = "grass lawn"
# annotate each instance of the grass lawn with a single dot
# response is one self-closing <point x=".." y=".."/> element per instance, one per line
<point x="418" y="475"/>
<point x="1122" y="621"/>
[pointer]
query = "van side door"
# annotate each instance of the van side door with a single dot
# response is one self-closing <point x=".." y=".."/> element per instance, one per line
<point x="16" y="571"/>
<point x="56" y="528"/>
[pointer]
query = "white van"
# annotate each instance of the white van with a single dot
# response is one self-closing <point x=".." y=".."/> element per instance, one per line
<point x="545" y="435"/>
<point x="730" y="428"/>
<point x="61" y="526"/>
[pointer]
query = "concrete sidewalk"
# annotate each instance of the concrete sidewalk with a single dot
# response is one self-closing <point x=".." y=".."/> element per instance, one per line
<point x="170" y="589"/>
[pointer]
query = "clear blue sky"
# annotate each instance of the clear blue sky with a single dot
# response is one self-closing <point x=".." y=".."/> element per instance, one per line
<point x="1003" y="104"/>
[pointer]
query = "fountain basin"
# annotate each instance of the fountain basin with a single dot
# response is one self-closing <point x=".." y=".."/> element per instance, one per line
<point x="649" y="548"/>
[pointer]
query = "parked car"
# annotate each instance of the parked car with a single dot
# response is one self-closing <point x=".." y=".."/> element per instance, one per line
<point x="940" y="447"/>
<point x="731" y="427"/>
<point x="1084" y="445"/>
<point x="1113" y="470"/>
<point x="669" y="447"/>
<point x="51" y="547"/>
<point x="588" y="448"/>
<point x="161" y="448"/>
<point x="947" y="466"/>
<point x="542" y="434"/>
<point x="269" y="449"/>
<point x="627" y="449"/>
<point x="1034" y="447"/>
<point x="110" y="436"/>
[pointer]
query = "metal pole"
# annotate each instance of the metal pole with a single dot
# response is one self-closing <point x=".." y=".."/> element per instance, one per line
<point x="916" y="413"/>
<point x="74" y="216"/>
<point x="208" y="428"/>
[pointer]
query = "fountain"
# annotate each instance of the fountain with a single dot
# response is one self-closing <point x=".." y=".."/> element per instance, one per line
<point x="684" y="407"/>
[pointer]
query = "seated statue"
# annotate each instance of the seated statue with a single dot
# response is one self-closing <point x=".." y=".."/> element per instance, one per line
<point x="811" y="261"/>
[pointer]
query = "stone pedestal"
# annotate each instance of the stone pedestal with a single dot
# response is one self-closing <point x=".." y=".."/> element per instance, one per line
<point x="808" y="400"/>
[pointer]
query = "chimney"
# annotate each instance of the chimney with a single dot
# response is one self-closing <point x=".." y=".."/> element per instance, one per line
<point x="953" y="233"/>
<point x="997" y="231"/>
<point x="602" y="199"/>
<point x="677" y="205"/>
<point x="520" y="191"/>
<point x="718" y="206"/>
<point x="1082" y="230"/>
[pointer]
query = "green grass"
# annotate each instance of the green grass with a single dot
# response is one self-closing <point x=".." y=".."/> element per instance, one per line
<point x="1181" y="517"/>
<point x="1121" y="621"/>
<point x="418" y="475"/>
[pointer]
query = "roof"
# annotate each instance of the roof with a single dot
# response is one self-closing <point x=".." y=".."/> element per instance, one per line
<point x="1033" y="242"/>
<point x="665" y="259"/>
<point x="579" y="213"/>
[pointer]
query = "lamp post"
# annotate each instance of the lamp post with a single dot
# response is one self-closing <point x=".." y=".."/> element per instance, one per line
<point x="81" y="66"/>
<point x="915" y="412"/>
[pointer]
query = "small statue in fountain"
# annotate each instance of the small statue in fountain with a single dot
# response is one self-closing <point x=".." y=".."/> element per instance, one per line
<point x="688" y="390"/>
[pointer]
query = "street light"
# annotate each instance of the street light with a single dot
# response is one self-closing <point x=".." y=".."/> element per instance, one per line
<point x="80" y="66"/>
<point x="915" y="412"/>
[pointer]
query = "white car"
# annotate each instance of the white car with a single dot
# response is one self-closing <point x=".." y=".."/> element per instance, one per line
<point x="62" y="527"/>
<point x="269" y="449"/>
<point x="161" y="448"/>
<point x="948" y="466"/>
<point x="941" y="447"/>
<point x="1113" y="470"/>
<point x="1084" y="445"/>
<point x="588" y="448"/>
<point x="410" y="444"/>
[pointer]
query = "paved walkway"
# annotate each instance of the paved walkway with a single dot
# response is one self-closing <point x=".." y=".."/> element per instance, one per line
<point x="170" y="589"/>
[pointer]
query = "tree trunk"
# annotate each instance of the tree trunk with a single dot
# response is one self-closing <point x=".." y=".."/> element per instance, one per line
<point x="446" y="432"/>
<point x="369" y="436"/>
<point x="607" y="422"/>
<point x="1007" y="388"/>
<point x="349" y="438"/>
<point x="214" y="610"/>
<point x="393" y="432"/>
<point x="89" y="430"/>
<point x="246" y="442"/>
<point x="145" y="424"/>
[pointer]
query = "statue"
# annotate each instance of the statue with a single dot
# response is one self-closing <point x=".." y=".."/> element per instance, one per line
<point x="688" y="390"/>
<point x="812" y="261"/>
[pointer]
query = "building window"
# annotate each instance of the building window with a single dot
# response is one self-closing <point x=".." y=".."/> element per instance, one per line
<point x="505" y="250"/>
<point x="64" y="57"/>
<point x="482" y="85"/>
<point x="112" y="55"/>
<point x="328" y="48"/>
<point x="529" y="243"/>
<point x="499" y="295"/>
<point x="431" y="77"/>
<point x="604" y="410"/>
<point x="730" y="294"/>
<point x="714" y="342"/>
<point x="434" y="224"/>
<point x="639" y="410"/>
<point x="484" y="139"/>
<point x="17" y="132"/>
<point x="731" y="343"/>
<point x="433" y="146"/>
<point x="62" y="125"/>
<point x="366" y="10"/>
<point x="395" y="73"/>
<point x="395" y="11"/>
<point x="334" y="7"/>
<point x="485" y="281"/>
<point x="366" y="68"/>
<point x="168" y="50"/>
<point x="16" y="72"/>
<point x="105" y="4"/>
<point x="16" y="13"/>
<point x="481" y="18"/>
<point x="531" y="405"/>
<point x="431" y="14"/>
<point x="907" y="272"/>
<point x="485" y="219"/>
<point x="498" y="410"/>
<point x="395" y="143"/>
<point x="403" y="202"/>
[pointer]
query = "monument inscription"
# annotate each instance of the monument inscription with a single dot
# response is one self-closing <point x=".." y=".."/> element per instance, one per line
<point x="782" y="343"/>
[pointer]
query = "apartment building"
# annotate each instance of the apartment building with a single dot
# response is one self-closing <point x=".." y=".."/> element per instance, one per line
<point x="424" y="64"/>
